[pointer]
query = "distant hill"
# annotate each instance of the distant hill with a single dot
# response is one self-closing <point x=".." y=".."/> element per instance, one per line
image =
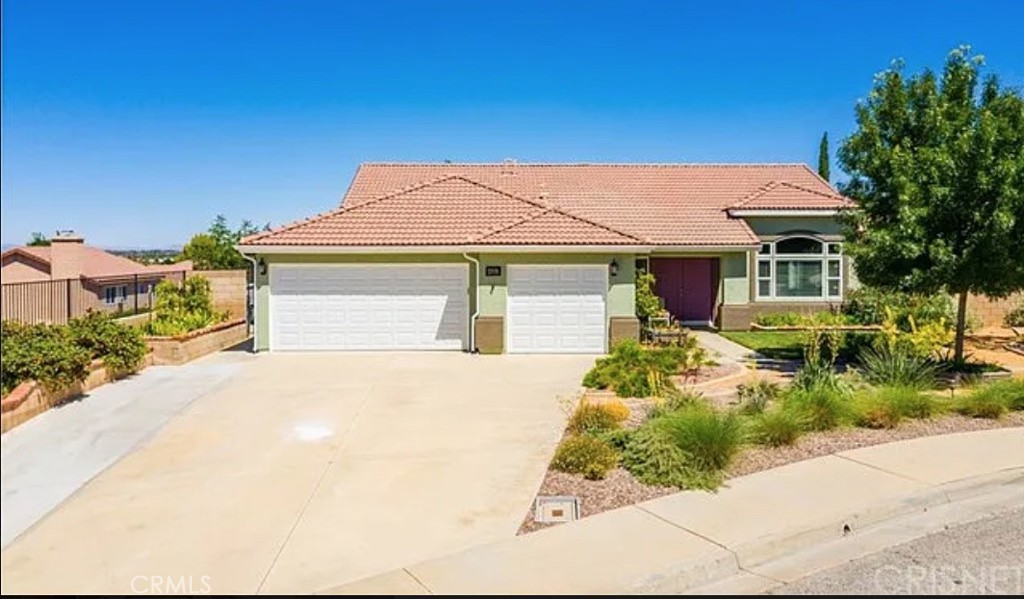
<point x="148" y="256"/>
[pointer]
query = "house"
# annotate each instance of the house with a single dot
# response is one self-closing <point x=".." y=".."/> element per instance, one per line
<point x="107" y="281"/>
<point x="542" y="258"/>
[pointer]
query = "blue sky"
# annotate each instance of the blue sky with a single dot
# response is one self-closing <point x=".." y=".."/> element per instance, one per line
<point x="136" y="122"/>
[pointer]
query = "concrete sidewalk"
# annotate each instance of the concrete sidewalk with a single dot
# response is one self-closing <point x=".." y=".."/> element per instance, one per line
<point x="689" y="539"/>
<point x="51" y="456"/>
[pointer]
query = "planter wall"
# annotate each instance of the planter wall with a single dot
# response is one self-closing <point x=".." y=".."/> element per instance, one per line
<point x="30" y="399"/>
<point x="185" y="348"/>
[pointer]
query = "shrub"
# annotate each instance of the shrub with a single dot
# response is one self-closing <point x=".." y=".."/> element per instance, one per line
<point x="820" y="408"/>
<point x="867" y="306"/>
<point x="980" y="405"/>
<point x="672" y="401"/>
<point x="595" y="418"/>
<point x="654" y="459"/>
<point x="711" y="438"/>
<point x="776" y="428"/>
<point x="993" y="399"/>
<point x="897" y="366"/>
<point x="754" y="398"/>
<point x="1015" y="317"/>
<point x="924" y="339"/>
<point x="120" y="347"/>
<point x="585" y="455"/>
<point x="647" y="302"/>
<point x="635" y="371"/>
<point x="886" y="407"/>
<point x="617" y="438"/>
<point x="817" y="375"/>
<point x="184" y="308"/>
<point x="617" y="409"/>
<point x="779" y="319"/>
<point x="41" y="352"/>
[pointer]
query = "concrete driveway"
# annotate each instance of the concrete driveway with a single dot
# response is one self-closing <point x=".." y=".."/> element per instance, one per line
<point x="306" y="471"/>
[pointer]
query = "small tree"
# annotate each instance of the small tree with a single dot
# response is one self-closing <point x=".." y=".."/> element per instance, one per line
<point x="937" y="170"/>
<point x="647" y="303"/>
<point x="823" y="161"/>
<point x="215" y="249"/>
<point x="38" y="239"/>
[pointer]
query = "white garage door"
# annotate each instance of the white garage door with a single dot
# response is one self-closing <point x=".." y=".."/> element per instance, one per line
<point x="556" y="309"/>
<point x="369" y="307"/>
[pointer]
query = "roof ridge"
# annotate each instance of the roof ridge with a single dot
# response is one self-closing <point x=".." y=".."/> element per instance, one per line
<point x="833" y="194"/>
<point x="760" y="191"/>
<point x="343" y="208"/>
<point x="548" y="207"/>
<point x="501" y="229"/>
<point x="615" y="164"/>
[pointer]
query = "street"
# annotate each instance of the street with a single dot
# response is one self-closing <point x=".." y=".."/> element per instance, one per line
<point x="982" y="557"/>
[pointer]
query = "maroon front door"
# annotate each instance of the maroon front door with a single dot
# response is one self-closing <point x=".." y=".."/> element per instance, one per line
<point x="688" y="286"/>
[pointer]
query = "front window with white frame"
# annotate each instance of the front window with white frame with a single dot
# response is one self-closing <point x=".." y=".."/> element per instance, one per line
<point x="800" y="268"/>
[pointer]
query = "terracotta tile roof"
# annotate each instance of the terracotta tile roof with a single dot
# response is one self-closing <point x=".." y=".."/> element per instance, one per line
<point x="101" y="264"/>
<point x="781" y="195"/>
<point x="449" y="210"/>
<point x="451" y="204"/>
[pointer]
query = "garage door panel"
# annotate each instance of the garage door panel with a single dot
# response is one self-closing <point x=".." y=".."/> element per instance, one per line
<point x="367" y="307"/>
<point x="556" y="309"/>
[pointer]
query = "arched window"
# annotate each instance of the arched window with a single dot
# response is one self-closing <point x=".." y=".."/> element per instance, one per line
<point x="800" y="267"/>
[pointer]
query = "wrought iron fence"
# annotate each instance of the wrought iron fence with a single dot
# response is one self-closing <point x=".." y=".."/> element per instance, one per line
<point x="58" y="301"/>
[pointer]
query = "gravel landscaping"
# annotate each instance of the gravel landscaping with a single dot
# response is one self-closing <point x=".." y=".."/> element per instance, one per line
<point x="620" y="488"/>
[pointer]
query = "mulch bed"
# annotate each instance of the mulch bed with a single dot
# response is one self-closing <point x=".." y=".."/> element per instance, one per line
<point x="620" y="489"/>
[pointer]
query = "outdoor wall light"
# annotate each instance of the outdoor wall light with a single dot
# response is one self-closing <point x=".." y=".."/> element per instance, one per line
<point x="263" y="266"/>
<point x="613" y="268"/>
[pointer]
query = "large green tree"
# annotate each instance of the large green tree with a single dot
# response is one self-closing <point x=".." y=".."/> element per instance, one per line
<point x="823" y="161"/>
<point x="215" y="249"/>
<point x="936" y="166"/>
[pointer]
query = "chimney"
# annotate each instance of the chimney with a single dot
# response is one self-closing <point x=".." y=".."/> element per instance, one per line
<point x="508" y="167"/>
<point x="66" y="255"/>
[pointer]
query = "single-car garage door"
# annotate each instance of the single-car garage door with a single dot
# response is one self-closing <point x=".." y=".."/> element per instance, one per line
<point x="369" y="307"/>
<point x="556" y="308"/>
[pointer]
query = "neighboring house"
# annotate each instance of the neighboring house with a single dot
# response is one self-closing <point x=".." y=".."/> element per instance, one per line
<point x="112" y="280"/>
<point x="542" y="258"/>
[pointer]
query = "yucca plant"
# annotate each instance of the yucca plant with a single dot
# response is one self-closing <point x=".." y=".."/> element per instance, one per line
<point x="896" y="365"/>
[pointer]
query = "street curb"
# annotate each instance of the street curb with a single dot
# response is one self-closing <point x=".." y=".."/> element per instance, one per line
<point x="579" y="561"/>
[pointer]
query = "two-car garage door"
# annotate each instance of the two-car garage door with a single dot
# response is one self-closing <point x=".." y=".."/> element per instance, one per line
<point x="369" y="307"/>
<point x="549" y="308"/>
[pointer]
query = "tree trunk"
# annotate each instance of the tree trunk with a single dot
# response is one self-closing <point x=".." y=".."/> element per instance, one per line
<point x="961" y="326"/>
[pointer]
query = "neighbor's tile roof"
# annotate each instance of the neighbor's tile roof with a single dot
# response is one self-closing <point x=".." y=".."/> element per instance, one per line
<point x="587" y="204"/>
<point x="101" y="264"/>
<point x="782" y="195"/>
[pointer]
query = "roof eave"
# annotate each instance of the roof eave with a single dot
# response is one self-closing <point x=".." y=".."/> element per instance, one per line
<point x="741" y="213"/>
<point x="439" y="249"/>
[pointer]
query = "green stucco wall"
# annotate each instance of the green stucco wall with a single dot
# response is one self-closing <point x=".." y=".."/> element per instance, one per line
<point x="774" y="225"/>
<point x="621" y="288"/>
<point x="735" y="281"/>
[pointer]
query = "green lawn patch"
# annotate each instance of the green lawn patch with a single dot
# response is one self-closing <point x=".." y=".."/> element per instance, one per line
<point x="777" y="345"/>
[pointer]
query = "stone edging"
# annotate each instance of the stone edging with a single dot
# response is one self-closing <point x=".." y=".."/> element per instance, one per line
<point x="30" y="398"/>
<point x="196" y="333"/>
